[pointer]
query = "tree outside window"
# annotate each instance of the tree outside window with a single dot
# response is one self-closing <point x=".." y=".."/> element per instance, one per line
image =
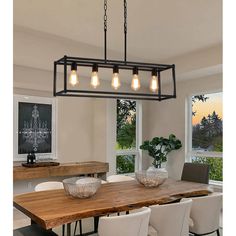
<point x="207" y="133"/>
<point x="126" y="136"/>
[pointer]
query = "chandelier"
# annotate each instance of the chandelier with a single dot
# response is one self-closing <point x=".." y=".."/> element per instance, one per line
<point x="155" y="71"/>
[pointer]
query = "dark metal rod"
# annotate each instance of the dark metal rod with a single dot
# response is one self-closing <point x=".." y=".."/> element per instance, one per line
<point x="65" y="74"/>
<point x="123" y="67"/>
<point x="105" y="30"/>
<point x="61" y="93"/>
<point x="55" y="79"/>
<point x="174" y="80"/>
<point x="105" y="46"/>
<point x="113" y="61"/>
<point x="115" y="97"/>
<point x="159" y="84"/>
<point x="125" y="30"/>
<point x="115" y="93"/>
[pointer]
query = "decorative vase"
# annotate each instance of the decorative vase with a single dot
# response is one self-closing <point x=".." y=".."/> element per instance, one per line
<point x="161" y="171"/>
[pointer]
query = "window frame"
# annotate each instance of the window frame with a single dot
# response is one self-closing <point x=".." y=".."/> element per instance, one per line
<point x="136" y="151"/>
<point x="188" y="138"/>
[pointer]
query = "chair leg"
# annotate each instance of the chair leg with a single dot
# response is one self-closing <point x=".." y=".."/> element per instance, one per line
<point x="96" y="219"/>
<point x="80" y="227"/>
<point x="218" y="232"/>
<point x="63" y="230"/>
<point x="75" y="227"/>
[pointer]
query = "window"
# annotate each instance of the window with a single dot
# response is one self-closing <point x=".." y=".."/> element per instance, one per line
<point x="206" y="131"/>
<point x="127" y="133"/>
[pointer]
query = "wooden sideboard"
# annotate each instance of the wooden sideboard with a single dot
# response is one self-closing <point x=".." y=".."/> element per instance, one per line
<point x="64" y="169"/>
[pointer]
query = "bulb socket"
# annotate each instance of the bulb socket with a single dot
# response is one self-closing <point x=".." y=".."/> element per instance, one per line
<point x="154" y="72"/>
<point x="115" y="69"/>
<point x="73" y="66"/>
<point x="135" y="71"/>
<point x="95" y="68"/>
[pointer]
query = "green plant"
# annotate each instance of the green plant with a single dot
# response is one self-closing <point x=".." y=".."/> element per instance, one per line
<point x="159" y="147"/>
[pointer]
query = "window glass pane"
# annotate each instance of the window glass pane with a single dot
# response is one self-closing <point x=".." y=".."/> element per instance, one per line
<point x="207" y="122"/>
<point x="125" y="164"/>
<point x="216" y="166"/>
<point x="126" y="125"/>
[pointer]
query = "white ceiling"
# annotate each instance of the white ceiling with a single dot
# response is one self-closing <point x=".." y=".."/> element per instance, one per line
<point x="157" y="29"/>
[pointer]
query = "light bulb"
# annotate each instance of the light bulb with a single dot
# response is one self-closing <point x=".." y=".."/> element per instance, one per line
<point x="73" y="79"/>
<point x="115" y="83"/>
<point x="154" y="84"/>
<point x="94" y="80"/>
<point x="94" y="77"/>
<point x="135" y="83"/>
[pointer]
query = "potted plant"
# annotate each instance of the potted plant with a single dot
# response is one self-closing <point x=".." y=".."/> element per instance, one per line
<point x="159" y="147"/>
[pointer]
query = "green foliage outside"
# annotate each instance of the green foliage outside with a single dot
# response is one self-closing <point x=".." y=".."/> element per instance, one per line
<point x="207" y="136"/>
<point x="126" y="124"/>
<point x="216" y="166"/>
<point x="125" y="164"/>
<point x="125" y="135"/>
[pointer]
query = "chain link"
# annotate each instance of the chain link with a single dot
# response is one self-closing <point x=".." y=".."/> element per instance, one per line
<point x="125" y="16"/>
<point x="105" y="15"/>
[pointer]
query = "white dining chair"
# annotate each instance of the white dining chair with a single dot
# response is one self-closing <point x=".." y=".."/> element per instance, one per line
<point x="205" y="214"/>
<point x="49" y="185"/>
<point x="170" y="219"/>
<point x="134" y="224"/>
<point x="118" y="178"/>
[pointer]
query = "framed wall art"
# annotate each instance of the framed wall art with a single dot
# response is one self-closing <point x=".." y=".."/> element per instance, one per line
<point x="34" y="127"/>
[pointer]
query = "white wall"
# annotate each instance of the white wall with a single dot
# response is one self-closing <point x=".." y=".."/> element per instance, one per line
<point x="169" y="116"/>
<point x="86" y="126"/>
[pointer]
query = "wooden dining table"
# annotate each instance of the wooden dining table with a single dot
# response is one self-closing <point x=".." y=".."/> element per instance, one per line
<point x="53" y="208"/>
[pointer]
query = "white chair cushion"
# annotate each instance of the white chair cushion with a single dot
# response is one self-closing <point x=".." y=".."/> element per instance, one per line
<point x="190" y="222"/>
<point x="118" y="178"/>
<point x="152" y="231"/>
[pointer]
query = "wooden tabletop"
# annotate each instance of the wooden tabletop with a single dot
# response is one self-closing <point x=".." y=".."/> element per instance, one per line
<point x="64" y="169"/>
<point x="53" y="208"/>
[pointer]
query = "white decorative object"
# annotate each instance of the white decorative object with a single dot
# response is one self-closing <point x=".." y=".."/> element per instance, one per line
<point x="81" y="187"/>
<point x="161" y="171"/>
<point x="34" y="127"/>
<point x="151" y="178"/>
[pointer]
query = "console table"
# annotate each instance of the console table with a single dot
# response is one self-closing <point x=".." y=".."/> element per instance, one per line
<point x="93" y="168"/>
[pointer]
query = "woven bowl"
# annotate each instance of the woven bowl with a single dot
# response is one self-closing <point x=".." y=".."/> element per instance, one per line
<point x="81" y="187"/>
<point x="150" y="178"/>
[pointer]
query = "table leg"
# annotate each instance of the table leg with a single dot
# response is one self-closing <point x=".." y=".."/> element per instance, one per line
<point x="32" y="222"/>
<point x="68" y="226"/>
<point x="96" y="219"/>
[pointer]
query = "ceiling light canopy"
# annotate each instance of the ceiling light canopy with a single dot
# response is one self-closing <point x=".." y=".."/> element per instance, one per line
<point x="114" y="65"/>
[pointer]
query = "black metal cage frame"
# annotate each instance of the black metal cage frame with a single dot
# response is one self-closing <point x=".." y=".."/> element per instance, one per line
<point x="123" y="65"/>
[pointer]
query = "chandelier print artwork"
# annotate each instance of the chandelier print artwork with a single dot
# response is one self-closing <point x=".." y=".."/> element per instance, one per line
<point x="34" y="128"/>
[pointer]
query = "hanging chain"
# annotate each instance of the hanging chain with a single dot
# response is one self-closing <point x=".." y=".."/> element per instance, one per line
<point x="105" y="30"/>
<point x="125" y="30"/>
